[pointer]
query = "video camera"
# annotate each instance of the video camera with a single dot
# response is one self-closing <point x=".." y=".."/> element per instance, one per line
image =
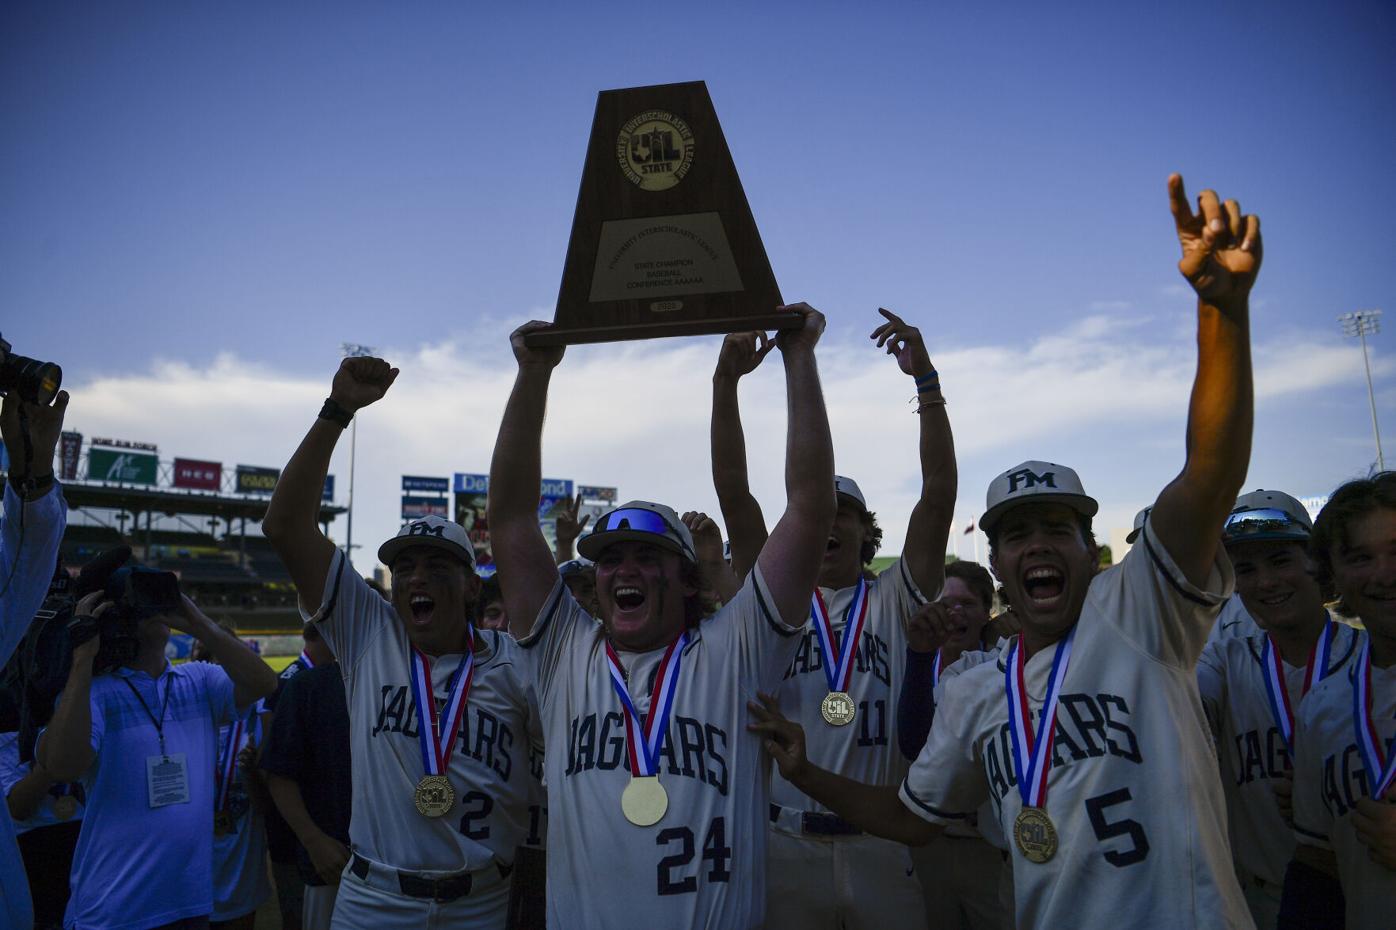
<point x="35" y="381"/>
<point x="32" y="681"/>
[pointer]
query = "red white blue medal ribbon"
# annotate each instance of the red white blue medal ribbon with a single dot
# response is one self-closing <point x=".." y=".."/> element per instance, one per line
<point x="1032" y="757"/>
<point x="838" y="661"/>
<point x="936" y="669"/>
<point x="305" y="660"/>
<point x="644" y="737"/>
<point x="1381" y="772"/>
<point x="227" y="763"/>
<point x="1277" y="695"/>
<point x="436" y="734"/>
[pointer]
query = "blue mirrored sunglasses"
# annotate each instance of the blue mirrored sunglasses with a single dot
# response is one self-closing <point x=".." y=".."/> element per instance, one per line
<point x="644" y="521"/>
<point x="1266" y="522"/>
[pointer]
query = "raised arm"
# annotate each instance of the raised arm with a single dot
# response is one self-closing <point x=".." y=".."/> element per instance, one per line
<point x="1221" y="257"/>
<point x="790" y="559"/>
<point x="741" y="512"/>
<point x="875" y="809"/>
<point x="527" y="571"/>
<point x="292" y="523"/>
<point x="65" y="749"/>
<point x="252" y="678"/>
<point x="929" y="527"/>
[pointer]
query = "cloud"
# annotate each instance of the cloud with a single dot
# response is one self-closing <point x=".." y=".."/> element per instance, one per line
<point x="635" y="415"/>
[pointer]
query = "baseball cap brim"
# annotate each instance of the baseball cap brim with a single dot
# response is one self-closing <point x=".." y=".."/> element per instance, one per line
<point x="1086" y="506"/>
<point x="592" y="545"/>
<point x="394" y="547"/>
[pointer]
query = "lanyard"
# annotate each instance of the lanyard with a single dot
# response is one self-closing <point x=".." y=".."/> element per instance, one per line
<point x="838" y="659"/>
<point x="1277" y="692"/>
<point x="164" y="707"/>
<point x="1032" y="752"/>
<point x="644" y="737"/>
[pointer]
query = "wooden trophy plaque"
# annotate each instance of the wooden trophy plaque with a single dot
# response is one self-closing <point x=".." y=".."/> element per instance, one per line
<point x="663" y="241"/>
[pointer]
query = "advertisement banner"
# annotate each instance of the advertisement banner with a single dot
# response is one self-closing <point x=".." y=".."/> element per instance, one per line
<point x="198" y="475"/>
<point x="471" y="514"/>
<point x="426" y="485"/>
<point x="70" y="452"/>
<point x="472" y="484"/>
<point x="414" y="508"/>
<point x="594" y="495"/>
<point x="254" y="480"/>
<point x="121" y="466"/>
<point x="327" y="495"/>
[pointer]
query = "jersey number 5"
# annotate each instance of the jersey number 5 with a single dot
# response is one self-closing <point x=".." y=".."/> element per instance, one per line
<point x="1106" y="830"/>
<point x="715" y="850"/>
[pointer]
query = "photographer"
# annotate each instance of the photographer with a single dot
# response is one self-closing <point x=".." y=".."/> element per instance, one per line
<point x="142" y="736"/>
<point x="34" y="520"/>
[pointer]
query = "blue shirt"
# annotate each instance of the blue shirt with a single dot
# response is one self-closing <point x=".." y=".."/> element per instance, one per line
<point x="26" y="568"/>
<point x="138" y="866"/>
<point x="240" y="882"/>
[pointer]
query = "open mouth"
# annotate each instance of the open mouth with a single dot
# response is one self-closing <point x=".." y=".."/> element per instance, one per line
<point x="1276" y="599"/>
<point x="1044" y="584"/>
<point x="832" y="545"/>
<point x="628" y="598"/>
<point x="422" y="607"/>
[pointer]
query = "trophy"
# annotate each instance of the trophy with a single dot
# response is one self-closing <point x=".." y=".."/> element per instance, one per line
<point x="663" y="241"/>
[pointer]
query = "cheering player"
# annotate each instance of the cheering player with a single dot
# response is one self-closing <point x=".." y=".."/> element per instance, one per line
<point x="658" y="798"/>
<point x="1087" y="733"/>
<point x="438" y="710"/>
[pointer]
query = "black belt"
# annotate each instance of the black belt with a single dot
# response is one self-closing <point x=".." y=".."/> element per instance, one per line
<point x="415" y="885"/>
<point x="814" y="823"/>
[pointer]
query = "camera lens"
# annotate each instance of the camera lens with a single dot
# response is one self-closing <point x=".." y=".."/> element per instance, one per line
<point x="35" y="381"/>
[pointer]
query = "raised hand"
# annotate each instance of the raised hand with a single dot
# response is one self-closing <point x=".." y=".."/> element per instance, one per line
<point x="784" y="738"/>
<point x="707" y="538"/>
<point x="568" y="526"/>
<point x="904" y="343"/>
<point x="85" y="628"/>
<point x="361" y="381"/>
<point x="741" y="353"/>
<point x="1221" y="246"/>
<point x="43" y="421"/>
<point x="807" y="336"/>
<point x="932" y="625"/>
<point x="531" y="356"/>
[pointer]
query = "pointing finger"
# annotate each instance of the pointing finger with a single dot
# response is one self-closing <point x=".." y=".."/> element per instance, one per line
<point x="1178" y="202"/>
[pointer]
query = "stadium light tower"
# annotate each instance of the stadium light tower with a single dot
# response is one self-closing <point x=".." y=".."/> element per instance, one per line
<point x="353" y="350"/>
<point x="1361" y="324"/>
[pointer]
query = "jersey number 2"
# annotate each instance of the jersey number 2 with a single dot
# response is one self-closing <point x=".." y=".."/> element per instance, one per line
<point x="715" y="850"/>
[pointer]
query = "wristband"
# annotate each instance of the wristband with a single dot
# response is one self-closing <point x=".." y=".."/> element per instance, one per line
<point x="927" y="405"/>
<point x="336" y="413"/>
<point x="930" y="377"/>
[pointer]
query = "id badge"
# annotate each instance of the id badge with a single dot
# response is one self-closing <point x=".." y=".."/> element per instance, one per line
<point x="167" y="780"/>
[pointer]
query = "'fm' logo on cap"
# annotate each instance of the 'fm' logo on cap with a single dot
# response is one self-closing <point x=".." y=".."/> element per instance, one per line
<point x="1029" y="479"/>
<point x="424" y="529"/>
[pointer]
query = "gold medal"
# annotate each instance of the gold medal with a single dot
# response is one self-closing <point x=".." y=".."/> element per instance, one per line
<point x="434" y="796"/>
<point x="65" y="807"/>
<point x="1035" y="835"/>
<point x="837" y="708"/>
<point x="644" y="801"/>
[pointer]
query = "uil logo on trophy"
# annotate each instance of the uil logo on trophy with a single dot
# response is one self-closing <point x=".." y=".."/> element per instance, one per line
<point x="655" y="150"/>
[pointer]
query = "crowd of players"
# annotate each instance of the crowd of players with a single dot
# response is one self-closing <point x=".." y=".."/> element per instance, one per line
<point x="769" y="735"/>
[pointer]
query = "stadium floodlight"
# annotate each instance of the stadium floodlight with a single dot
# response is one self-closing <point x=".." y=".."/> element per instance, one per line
<point x="1364" y="323"/>
<point x="353" y="350"/>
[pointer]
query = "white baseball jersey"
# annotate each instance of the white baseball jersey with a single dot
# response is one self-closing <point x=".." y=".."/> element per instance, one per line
<point x="1231" y="678"/>
<point x="703" y="863"/>
<point x="1234" y="620"/>
<point x="1330" y="778"/>
<point x="1133" y="788"/>
<point x="866" y="749"/>
<point x="488" y="767"/>
<point x="982" y="822"/>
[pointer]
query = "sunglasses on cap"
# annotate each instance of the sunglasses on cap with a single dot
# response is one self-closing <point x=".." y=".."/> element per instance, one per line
<point x="637" y="520"/>
<point x="1267" y="522"/>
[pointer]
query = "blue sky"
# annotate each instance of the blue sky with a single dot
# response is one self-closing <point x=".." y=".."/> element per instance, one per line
<point x="203" y="201"/>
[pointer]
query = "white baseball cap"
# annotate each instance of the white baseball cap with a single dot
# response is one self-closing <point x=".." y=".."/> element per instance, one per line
<point x="437" y="532"/>
<point x="1263" y="515"/>
<point x="849" y="488"/>
<point x="1034" y="482"/>
<point x="1138" y="528"/>
<point x="638" y="521"/>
